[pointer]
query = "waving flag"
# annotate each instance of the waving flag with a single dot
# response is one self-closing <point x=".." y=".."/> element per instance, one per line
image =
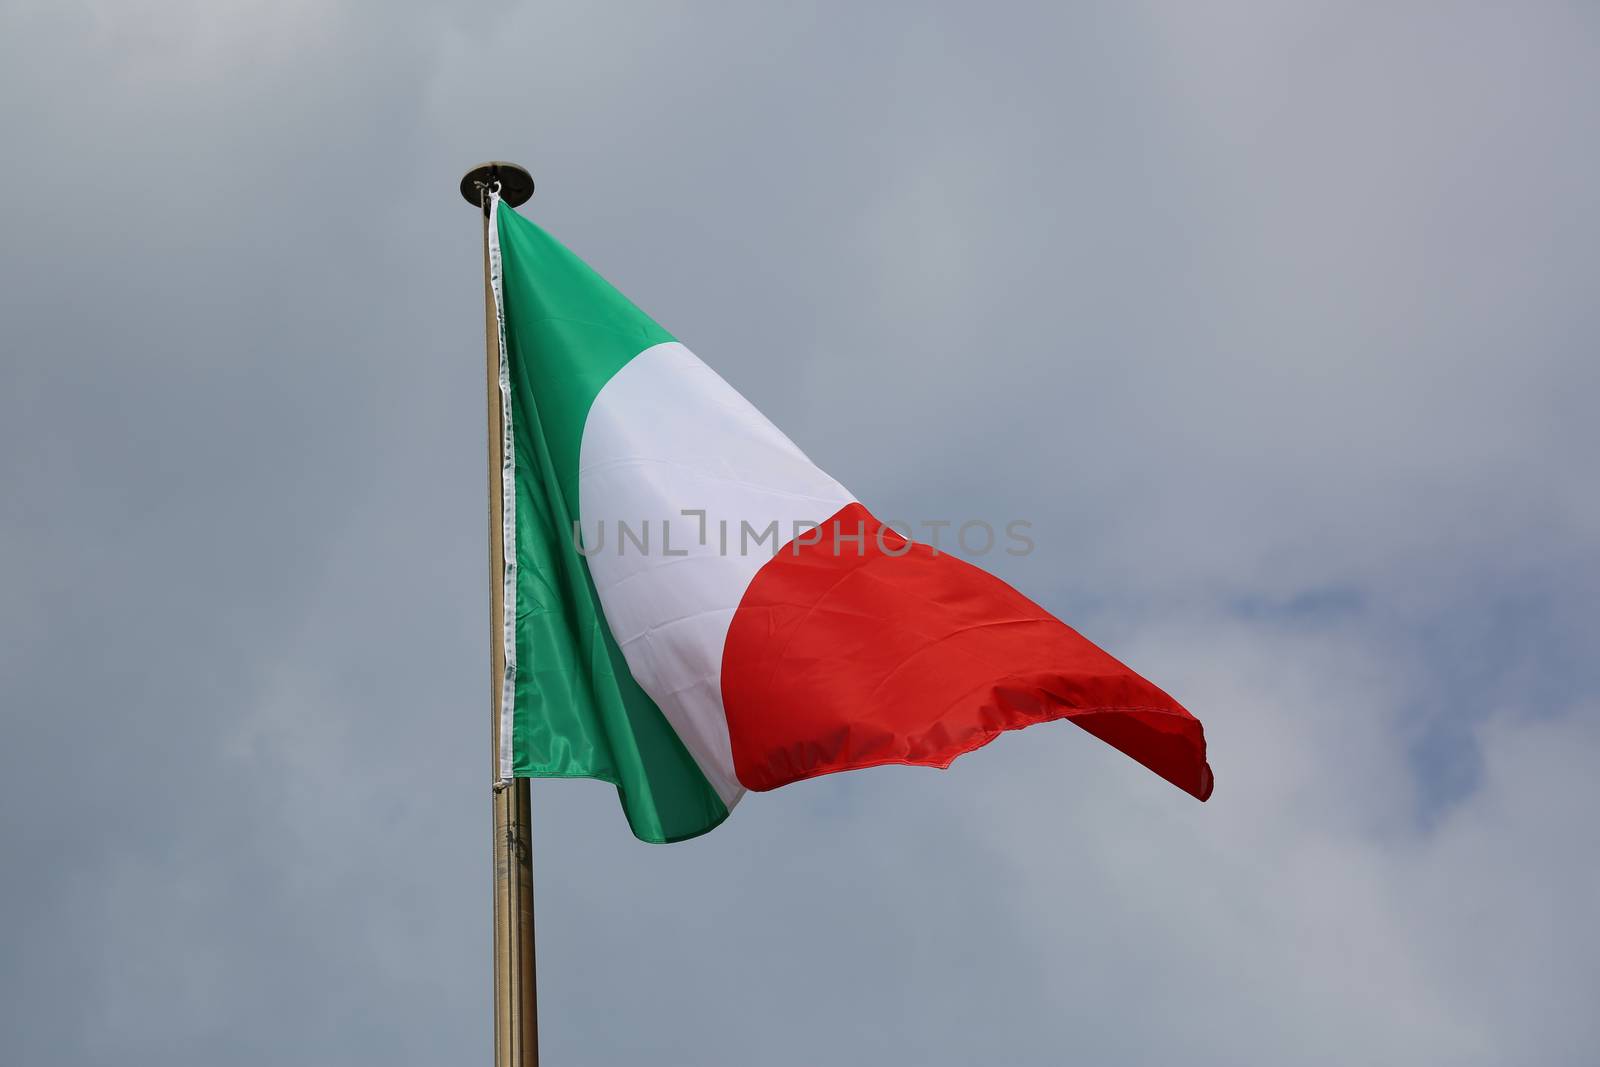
<point x="693" y="609"/>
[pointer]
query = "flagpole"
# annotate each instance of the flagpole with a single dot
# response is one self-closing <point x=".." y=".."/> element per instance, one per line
<point x="516" y="1017"/>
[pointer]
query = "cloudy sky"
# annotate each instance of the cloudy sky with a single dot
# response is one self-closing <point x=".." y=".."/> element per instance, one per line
<point x="1278" y="321"/>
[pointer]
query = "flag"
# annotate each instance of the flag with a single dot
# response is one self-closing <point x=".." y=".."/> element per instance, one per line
<point x="692" y="609"/>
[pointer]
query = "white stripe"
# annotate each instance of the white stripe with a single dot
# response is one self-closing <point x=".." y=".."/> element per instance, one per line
<point x="508" y="506"/>
<point x="667" y="434"/>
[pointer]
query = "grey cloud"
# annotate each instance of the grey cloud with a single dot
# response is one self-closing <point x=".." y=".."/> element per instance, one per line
<point x="1275" y="319"/>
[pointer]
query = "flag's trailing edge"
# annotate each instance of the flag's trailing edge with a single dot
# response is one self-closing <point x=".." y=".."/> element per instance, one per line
<point x="733" y="618"/>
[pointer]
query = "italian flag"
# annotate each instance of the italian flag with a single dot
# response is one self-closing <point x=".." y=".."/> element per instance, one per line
<point x="692" y="609"/>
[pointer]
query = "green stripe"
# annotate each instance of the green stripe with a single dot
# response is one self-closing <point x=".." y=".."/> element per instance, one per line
<point x="579" y="712"/>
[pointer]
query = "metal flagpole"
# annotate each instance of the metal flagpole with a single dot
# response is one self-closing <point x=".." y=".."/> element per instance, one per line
<point x="516" y="1018"/>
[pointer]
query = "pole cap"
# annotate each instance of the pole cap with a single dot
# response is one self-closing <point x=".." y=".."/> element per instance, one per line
<point x="516" y="184"/>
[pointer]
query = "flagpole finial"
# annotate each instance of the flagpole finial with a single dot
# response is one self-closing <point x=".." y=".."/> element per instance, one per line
<point x="514" y="182"/>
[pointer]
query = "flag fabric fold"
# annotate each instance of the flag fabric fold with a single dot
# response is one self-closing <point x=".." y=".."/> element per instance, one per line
<point x="694" y="609"/>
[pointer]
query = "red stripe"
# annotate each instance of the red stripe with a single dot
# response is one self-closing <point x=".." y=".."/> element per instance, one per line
<point x="846" y="655"/>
